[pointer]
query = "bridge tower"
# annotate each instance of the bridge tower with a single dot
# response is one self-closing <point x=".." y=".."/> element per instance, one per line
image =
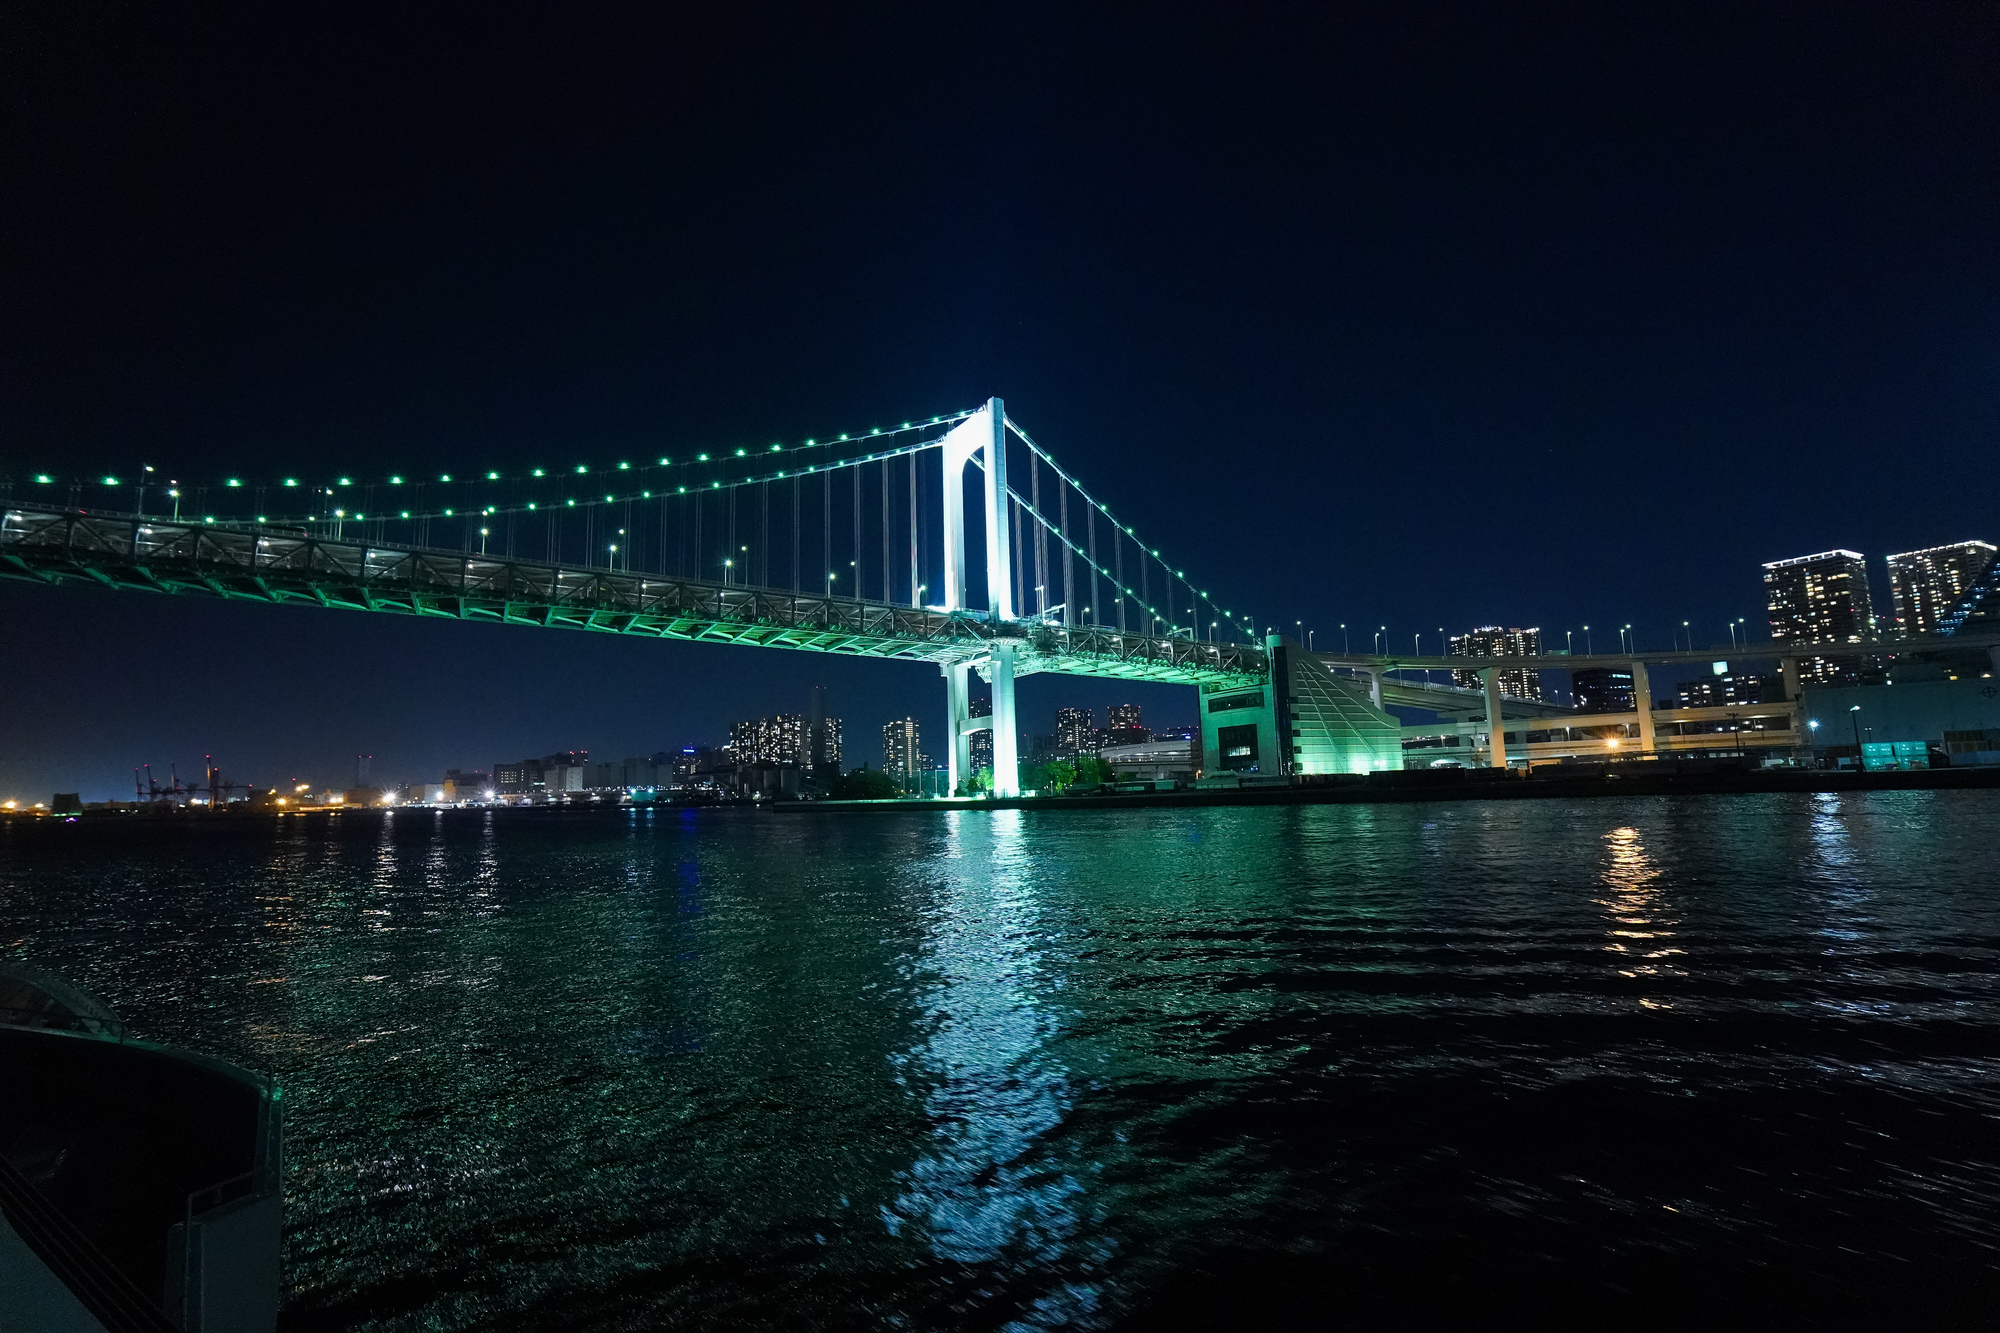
<point x="981" y="436"/>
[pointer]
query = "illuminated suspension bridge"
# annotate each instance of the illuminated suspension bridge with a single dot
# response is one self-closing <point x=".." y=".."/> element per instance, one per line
<point x="772" y="546"/>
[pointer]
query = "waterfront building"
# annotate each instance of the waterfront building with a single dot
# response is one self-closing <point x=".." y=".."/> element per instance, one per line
<point x="1306" y="721"/>
<point x="1494" y="641"/>
<point x="1910" y="724"/>
<point x="1123" y="716"/>
<point x="1819" y="599"/>
<point x="902" y="757"/>
<point x="1926" y="586"/>
<point x="522" y="777"/>
<point x="1603" y="690"/>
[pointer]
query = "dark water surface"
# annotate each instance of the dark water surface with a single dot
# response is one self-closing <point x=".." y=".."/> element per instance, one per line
<point x="1726" y="1060"/>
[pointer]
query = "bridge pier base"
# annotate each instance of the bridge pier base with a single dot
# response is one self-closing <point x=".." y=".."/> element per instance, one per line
<point x="957" y="712"/>
<point x="1006" y="742"/>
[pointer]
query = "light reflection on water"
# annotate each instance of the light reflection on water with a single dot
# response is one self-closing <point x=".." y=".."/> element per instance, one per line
<point x="986" y="1188"/>
<point x="1081" y="1070"/>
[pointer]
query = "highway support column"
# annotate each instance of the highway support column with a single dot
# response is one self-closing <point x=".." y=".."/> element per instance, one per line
<point x="1788" y="667"/>
<point x="1490" y="679"/>
<point x="1642" y="695"/>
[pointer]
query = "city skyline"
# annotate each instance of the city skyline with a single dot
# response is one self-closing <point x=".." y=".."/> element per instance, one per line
<point x="1921" y="582"/>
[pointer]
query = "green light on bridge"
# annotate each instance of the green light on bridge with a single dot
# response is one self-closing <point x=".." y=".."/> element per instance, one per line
<point x="111" y="481"/>
<point x="393" y="481"/>
<point x="539" y="472"/>
<point x="493" y="476"/>
<point x="291" y="481"/>
<point x="44" y="478"/>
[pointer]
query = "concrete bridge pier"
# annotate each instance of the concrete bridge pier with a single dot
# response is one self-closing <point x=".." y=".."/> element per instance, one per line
<point x="1489" y="679"/>
<point x="1006" y="737"/>
<point x="1642" y="695"/>
<point x="1788" y="667"/>
<point x="958" y="712"/>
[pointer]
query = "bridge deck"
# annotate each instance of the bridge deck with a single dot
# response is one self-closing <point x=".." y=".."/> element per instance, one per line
<point x="287" y="565"/>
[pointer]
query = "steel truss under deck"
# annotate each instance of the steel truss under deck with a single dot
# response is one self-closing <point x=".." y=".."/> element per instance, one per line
<point x="287" y="565"/>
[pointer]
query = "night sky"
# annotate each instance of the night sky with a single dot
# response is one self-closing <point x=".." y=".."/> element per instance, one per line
<point x="1444" y="318"/>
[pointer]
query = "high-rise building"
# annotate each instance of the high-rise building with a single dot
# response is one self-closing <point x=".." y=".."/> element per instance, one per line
<point x="1603" y="690"/>
<point x="780" y="739"/>
<point x="1927" y="586"/>
<point x="822" y="738"/>
<point x="1493" y="641"/>
<point x="981" y="741"/>
<point x="1072" y="732"/>
<point x="1819" y="599"/>
<point x="901" y="757"/>
<point x="1121" y="727"/>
